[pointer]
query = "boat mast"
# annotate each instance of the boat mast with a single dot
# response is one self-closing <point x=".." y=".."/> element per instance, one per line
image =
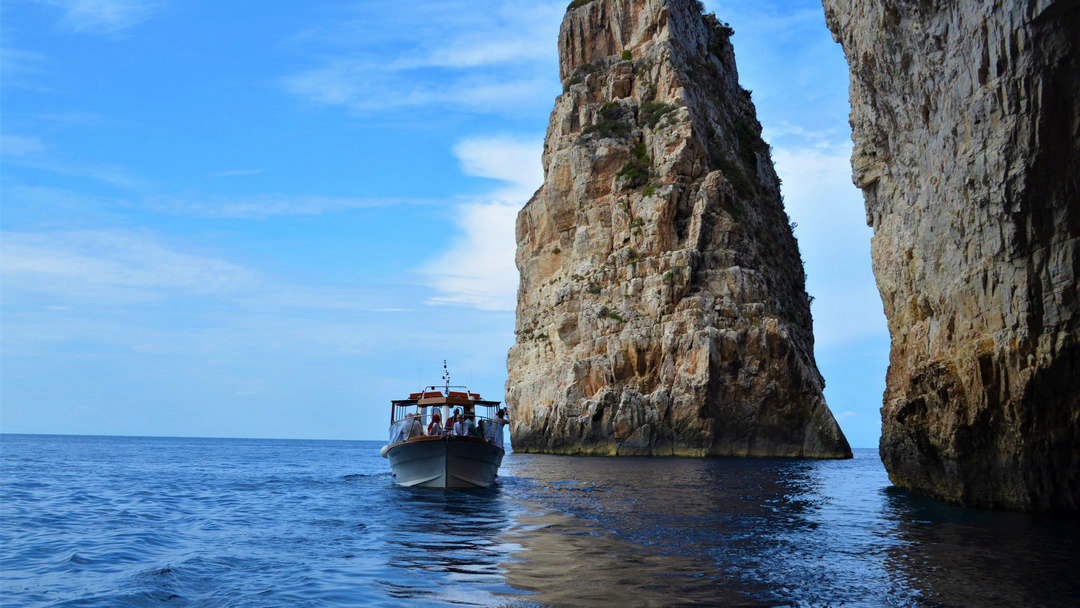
<point x="446" y="393"/>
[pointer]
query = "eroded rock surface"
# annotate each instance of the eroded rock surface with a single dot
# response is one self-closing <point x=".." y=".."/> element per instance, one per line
<point x="967" y="148"/>
<point x="662" y="307"/>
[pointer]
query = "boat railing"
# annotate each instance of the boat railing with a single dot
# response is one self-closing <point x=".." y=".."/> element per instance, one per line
<point x="409" y="418"/>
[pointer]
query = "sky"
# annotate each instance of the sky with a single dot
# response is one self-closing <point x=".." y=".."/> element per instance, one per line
<point x="267" y="219"/>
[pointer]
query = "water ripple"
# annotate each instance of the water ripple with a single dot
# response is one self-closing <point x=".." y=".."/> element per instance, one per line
<point x="143" y="522"/>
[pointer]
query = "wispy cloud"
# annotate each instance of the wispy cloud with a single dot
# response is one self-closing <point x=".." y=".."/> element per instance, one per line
<point x="834" y="241"/>
<point x="108" y="266"/>
<point x="261" y="206"/>
<point x="513" y="160"/>
<point x="237" y="172"/>
<point x="360" y="86"/>
<point x="137" y="291"/>
<point x="106" y="17"/>
<point x="19" y="66"/>
<point x="444" y="53"/>
<point x="20" y="145"/>
<point x="63" y="203"/>
<point x="35" y="153"/>
<point x="66" y="270"/>
<point x="112" y="174"/>
<point x="477" y="270"/>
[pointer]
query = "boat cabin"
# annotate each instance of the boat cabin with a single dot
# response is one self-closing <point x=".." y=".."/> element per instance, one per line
<point x="444" y="400"/>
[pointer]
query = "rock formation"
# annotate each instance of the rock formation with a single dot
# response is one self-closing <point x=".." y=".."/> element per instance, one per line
<point x="967" y="148"/>
<point x="662" y="307"/>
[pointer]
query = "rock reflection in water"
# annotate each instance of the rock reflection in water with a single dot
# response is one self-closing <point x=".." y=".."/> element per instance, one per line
<point x="730" y="532"/>
<point x="565" y="562"/>
<point x="650" y="531"/>
<point x="576" y="531"/>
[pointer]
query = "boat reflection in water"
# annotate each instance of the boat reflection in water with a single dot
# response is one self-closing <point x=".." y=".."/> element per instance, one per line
<point x="465" y="453"/>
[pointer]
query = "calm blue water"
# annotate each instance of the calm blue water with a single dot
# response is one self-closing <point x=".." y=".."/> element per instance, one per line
<point x="111" y="521"/>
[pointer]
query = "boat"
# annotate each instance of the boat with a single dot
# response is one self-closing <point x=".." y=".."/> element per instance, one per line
<point x="422" y="455"/>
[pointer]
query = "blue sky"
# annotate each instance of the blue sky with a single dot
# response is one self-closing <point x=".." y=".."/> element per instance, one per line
<point x="267" y="219"/>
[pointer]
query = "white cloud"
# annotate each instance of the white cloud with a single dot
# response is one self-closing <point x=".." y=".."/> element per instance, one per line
<point x="410" y="55"/>
<point x="361" y="87"/>
<point x="478" y="269"/>
<point x="504" y="158"/>
<point x="237" y="172"/>
<point x="74" y="269"/>
<point x="819" y="195"/>
<point x="20" y="67"/>
<point x="32" y="152"/>
<point x="108" y="266"/>
<point x="262" y="206"/>
<point x="19" y="145"/>
<point x="104" y="16"/>
<point x="507" y="32"/>
<point x="834" y="241"/>
<point x="469" y="52"/>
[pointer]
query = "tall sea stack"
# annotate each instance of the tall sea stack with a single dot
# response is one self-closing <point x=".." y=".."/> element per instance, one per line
<point x="967" y="148"/>
<point x="662" y="307"/>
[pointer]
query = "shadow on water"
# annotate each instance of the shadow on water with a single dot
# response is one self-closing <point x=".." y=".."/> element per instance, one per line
<point x="964" y="557"/>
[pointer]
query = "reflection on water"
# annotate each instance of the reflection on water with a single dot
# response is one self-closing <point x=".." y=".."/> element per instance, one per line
<point x="955" y="555"/>
<point x="734" y="532"/>
<point x="448" y="541"/>
<point x="566" y="563"/>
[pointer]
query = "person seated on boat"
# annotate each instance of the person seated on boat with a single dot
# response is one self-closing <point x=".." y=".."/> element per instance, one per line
<point x="459" y="424"/>
<point x="470" y="426"/>
<point x="435" y="428"/>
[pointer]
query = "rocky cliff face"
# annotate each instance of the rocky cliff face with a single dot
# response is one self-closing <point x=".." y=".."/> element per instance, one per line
<point x="967" y="148"/>
<point x="662" y="307"/>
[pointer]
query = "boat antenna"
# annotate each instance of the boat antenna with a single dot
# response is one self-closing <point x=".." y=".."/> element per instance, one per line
<point x="446" y="376"/>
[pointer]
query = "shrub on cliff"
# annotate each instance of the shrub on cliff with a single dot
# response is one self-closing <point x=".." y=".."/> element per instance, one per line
<point x="577" y="4"/>
<point x="636" y="170"/>
<point x="652" y="111"/>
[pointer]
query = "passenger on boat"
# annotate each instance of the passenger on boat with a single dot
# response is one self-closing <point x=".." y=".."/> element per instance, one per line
<point x="493" y="429"/>
<point x="470" y="426"/>
<point x="435" y="428"/>
<point x="459" y="425"/>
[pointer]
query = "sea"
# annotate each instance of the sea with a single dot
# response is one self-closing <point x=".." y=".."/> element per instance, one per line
<point x="145" y="521"/>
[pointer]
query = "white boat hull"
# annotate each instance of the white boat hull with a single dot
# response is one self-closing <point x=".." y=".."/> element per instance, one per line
<point x="446" y="462"/>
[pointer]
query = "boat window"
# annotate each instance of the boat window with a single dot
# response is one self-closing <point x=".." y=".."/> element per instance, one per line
<point x="405" y="429"/>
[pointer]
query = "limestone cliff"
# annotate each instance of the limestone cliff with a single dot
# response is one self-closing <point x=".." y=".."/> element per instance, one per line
<point x="662" y="307"/>
<point x="967" y="148"/>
